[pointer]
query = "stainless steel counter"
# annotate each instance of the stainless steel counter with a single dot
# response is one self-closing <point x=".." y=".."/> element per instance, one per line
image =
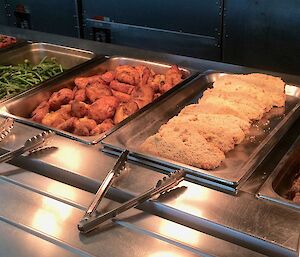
<point x="42" y="213"/>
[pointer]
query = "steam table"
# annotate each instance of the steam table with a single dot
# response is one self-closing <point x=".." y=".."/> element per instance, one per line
<point x="39" y="212"/>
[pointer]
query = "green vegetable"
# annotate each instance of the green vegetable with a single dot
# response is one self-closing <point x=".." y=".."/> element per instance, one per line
<point x="16" y="79"/>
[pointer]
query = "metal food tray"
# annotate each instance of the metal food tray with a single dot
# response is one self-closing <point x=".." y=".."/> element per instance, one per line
<point x="239" y="163"/>
<point x="68" y="57"/>
<point x="276" y="187"/>
<point x="20" y="108"/>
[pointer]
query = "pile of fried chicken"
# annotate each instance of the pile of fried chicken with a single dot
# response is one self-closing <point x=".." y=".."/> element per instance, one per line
<point x="97" y="103"/>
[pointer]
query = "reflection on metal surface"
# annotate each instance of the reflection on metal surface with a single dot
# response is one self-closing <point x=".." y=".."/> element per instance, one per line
<point x="70" y="157"/>
<point x="49" y="216"/>
<point x="164" y="254"/>
<point x="179" y="232"/>
<point x="191" y="195"/>
<point x="292" y="90"/>
<point x="60" y="189"/>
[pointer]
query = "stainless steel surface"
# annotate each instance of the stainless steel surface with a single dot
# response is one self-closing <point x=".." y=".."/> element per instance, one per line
<point x="132" y="235"/>
<point x="88" y="223"/>
<point x="55" y="221"/>
<point x="239" y="163"/>
<point x="276" y="187"/>
<point x="68" y="57"/>
<point x="196" y="220"/>
<point x="227" y="217"/>
<point x="22" y="107"/>
<point x="5" y="127"/>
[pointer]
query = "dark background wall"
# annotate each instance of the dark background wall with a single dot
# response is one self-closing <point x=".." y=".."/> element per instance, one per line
<point x="261" y="33"/>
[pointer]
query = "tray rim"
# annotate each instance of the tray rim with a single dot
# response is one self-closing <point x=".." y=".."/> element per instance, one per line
<point x="38" y="86"/>
<point x="98" y="60"/>
<point x="280" y="128"/>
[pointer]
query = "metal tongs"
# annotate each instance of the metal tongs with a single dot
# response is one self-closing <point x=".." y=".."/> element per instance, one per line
<point x="5" y="127"/>
<point x="31" y="144"/>
<point x="90" y="221"/>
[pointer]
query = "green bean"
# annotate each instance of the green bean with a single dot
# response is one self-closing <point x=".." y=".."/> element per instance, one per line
<point x="15" y="79"/>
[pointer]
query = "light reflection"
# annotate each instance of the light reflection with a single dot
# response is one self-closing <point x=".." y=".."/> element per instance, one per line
<point x="52" y="212"/>
<point x="69" y="156"/>
<point x="59" y="189"/>
<point x="189" y="201"/>
<point x="164" y="254"/>
<point x="179" y="232"/>
<point x="46" y="222"/>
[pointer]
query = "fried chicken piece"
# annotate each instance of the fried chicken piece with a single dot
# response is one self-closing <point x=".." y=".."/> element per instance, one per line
<point x="121" y="87"/>
<point x="124" y="110"/>
<point x="60" y="98"/>
<point x="40" y="112"/>
<point x="96" y="90"/>
<point x="157" y="81"/>
<point x="79" y="94"/>
<point x="82" y="82"/>
<point x="144" y="73"/>
<point x="103" y="108"/>
<point x="108" y="76"/>
<point x="165" y="87"/>
<point x="173" y="75"/>
<point x="67" y="125"/>
<point x="121" y="96"/>
<point x="127" y="74"/>
<point x="296" y="198"/>
<point x="83" y="126"/>
<point x="65" y="111"/>
<point x="142" y="95"/>
<point x="54" y="119"/>
<point x="79" y="109"/>
<point x="103" y="127"/>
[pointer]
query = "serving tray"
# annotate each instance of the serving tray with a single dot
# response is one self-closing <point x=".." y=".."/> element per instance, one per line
<point x="239" y="163"/>
<point x="21" y="107"/>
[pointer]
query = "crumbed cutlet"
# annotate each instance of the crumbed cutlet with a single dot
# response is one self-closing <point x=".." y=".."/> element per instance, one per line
<point x="215" y="109"/>
<point x="250" y="112"/>
<point x="185" y="146"/>
<point x="273" y="85"/>
<point x="230" y="83"/>
<point x="221" y="131"/>
<point x="237" y="97"/>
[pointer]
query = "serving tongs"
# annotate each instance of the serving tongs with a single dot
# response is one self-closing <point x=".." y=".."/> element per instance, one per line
<point x="107" y="182"/>
<point x="31" y="144"/>
<point x="89" y="222"/>
<point x="5" y="127"/>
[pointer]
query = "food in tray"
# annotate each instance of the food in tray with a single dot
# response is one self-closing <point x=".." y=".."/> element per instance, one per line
<point x="203" y="133"/>
<point x="294" y="191"/>
<point x="16" y="79"/>
<point x="6" y="41"/>
<point x="96" y="103"/>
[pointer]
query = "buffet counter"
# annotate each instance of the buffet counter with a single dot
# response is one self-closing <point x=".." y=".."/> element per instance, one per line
<point x="45" y="194"/>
